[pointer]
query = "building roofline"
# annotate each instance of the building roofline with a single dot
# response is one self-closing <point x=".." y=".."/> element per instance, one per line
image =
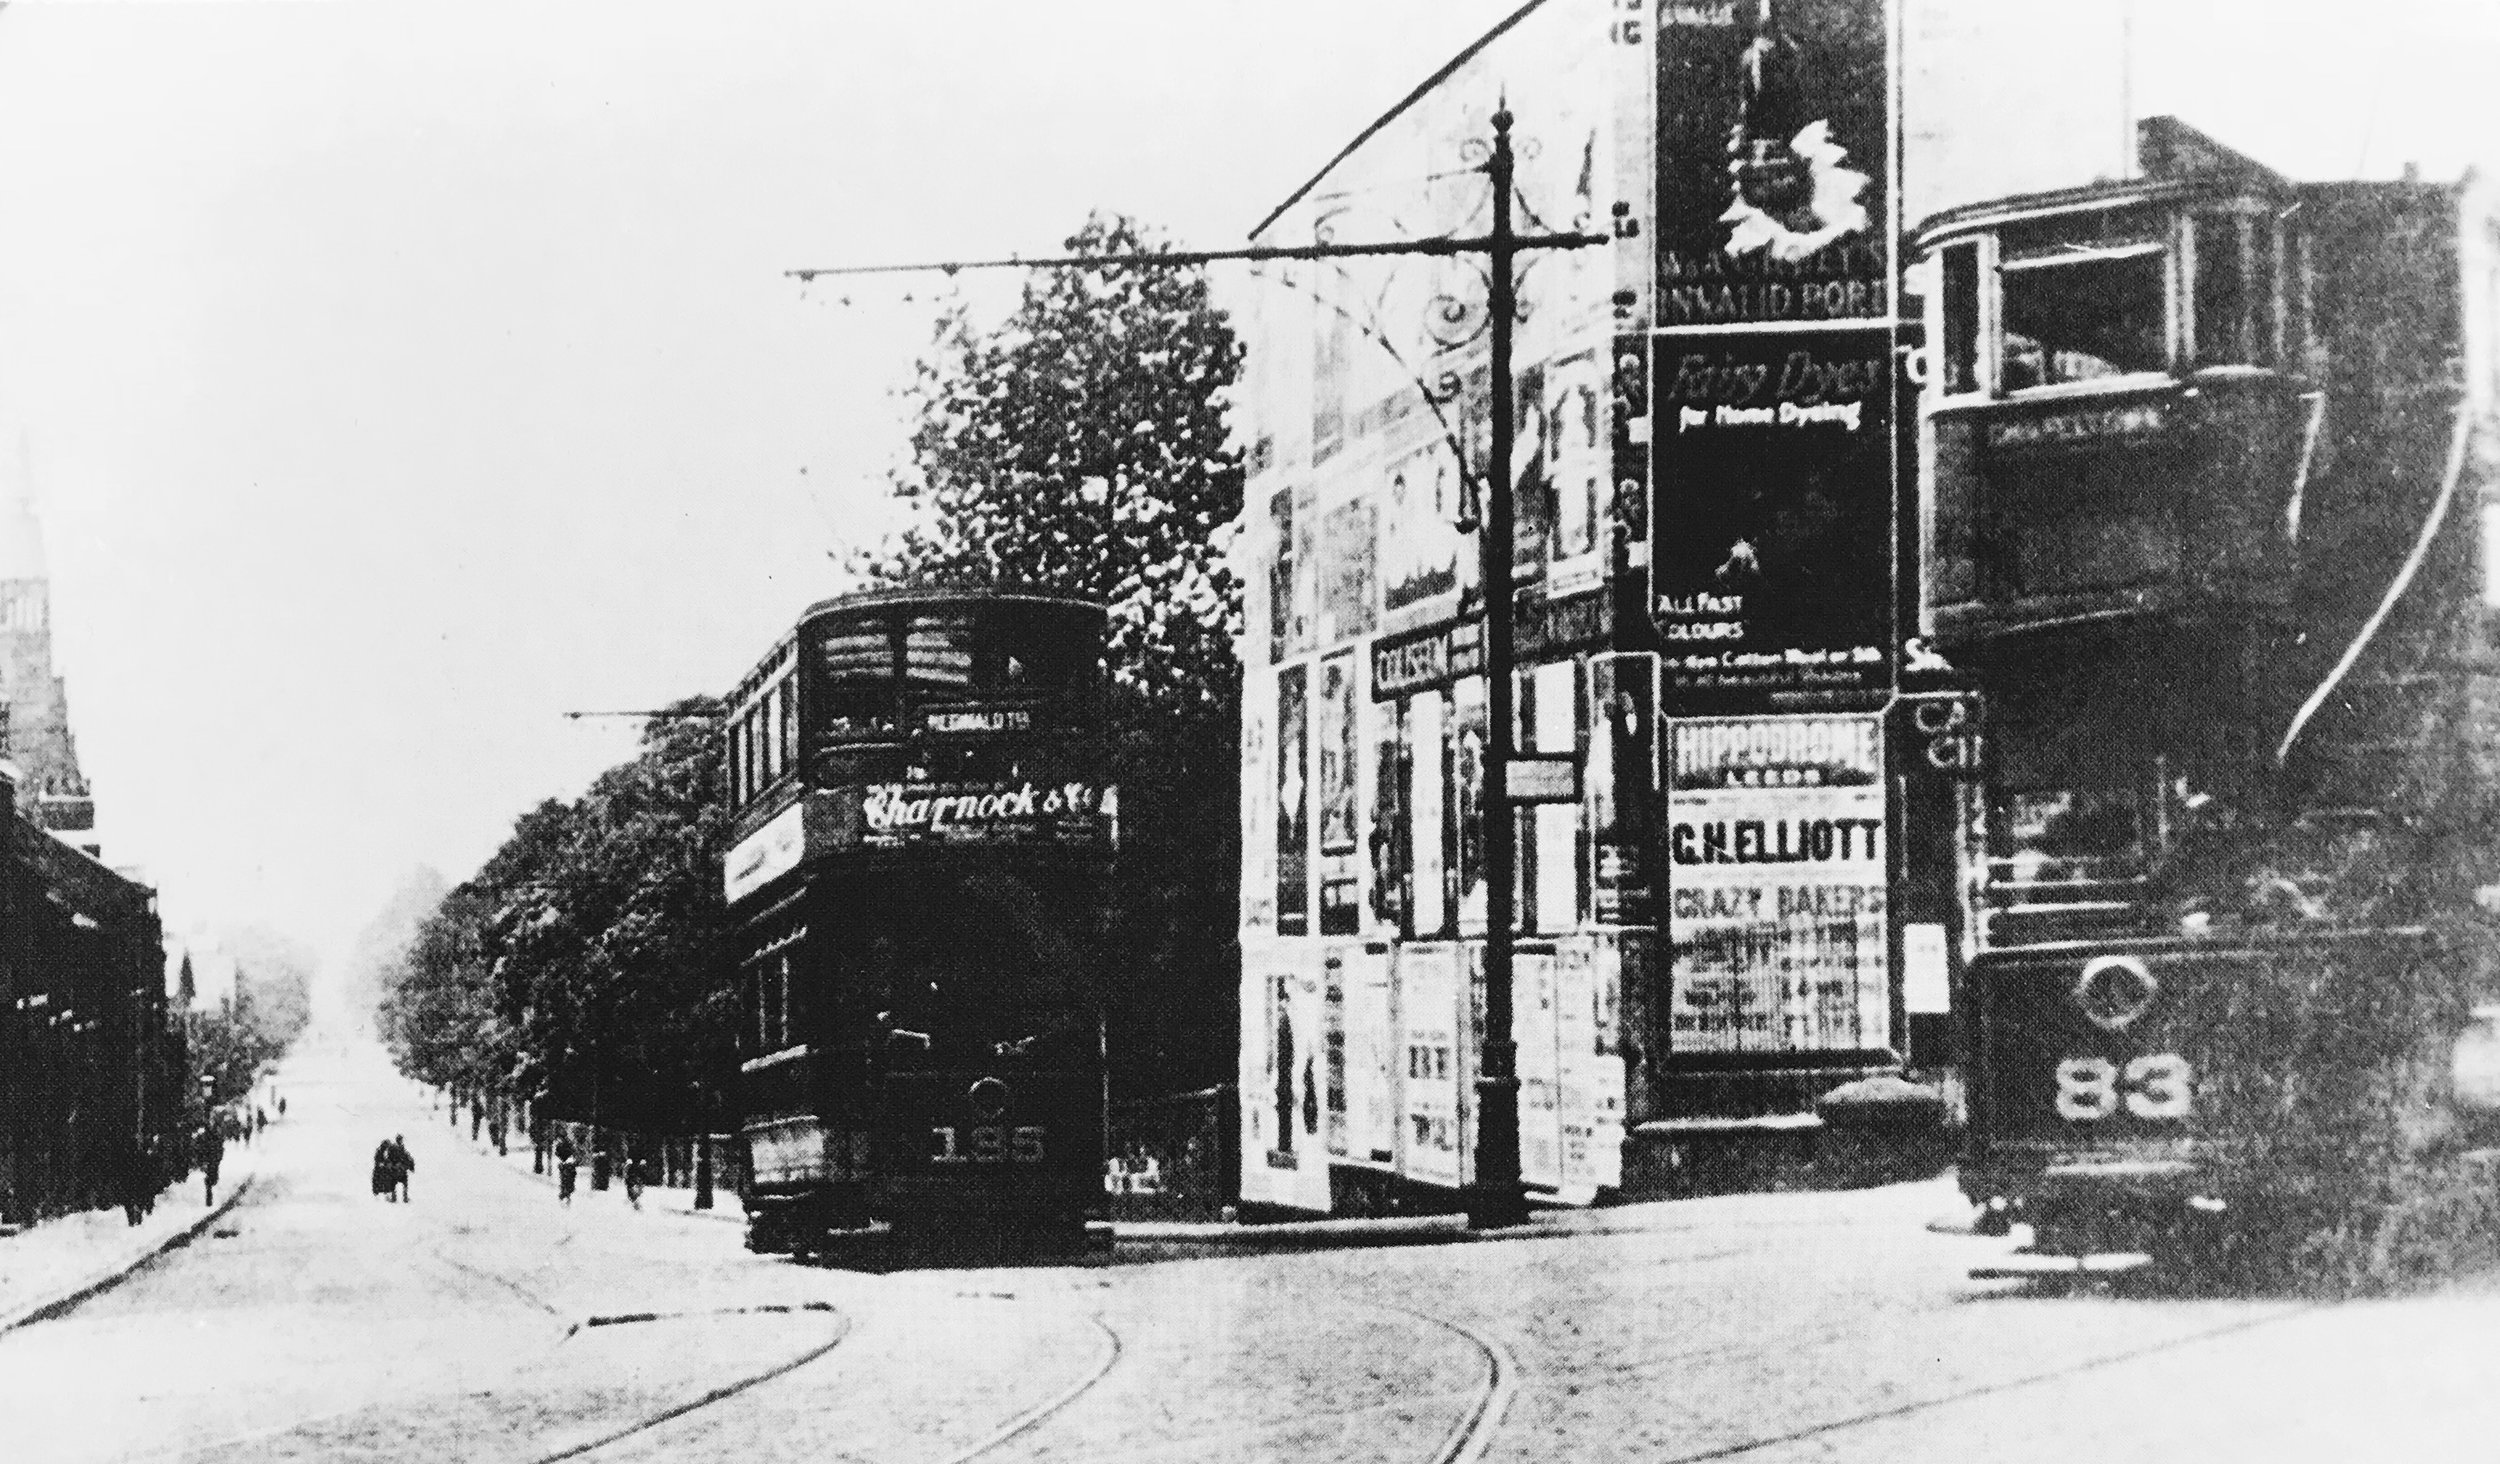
<point x="1385" y="118"/>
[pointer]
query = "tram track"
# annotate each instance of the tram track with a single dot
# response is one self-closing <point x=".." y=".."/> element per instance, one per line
<point x="712" y="1398"/>
<point x="1468" y="1439"/>
<point x="1018" y="1425"/>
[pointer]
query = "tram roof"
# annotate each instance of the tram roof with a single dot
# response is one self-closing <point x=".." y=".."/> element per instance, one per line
<point x="908" y="596"/>
<point x="919" y="595"/>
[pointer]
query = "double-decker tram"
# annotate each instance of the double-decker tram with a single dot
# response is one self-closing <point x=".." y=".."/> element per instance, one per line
<point x="2213" y="549"/>
<point x="916" y="890"/>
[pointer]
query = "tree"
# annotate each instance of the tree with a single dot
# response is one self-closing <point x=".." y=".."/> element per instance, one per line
<point x="1080" y="446"/>
<point x="577" y="967"/>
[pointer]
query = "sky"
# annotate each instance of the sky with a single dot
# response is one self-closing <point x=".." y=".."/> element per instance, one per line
<point x="394" y="378"/>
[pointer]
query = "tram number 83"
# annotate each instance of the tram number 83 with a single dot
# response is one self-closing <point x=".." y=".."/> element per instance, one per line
<point x="2155" y="1086"/>
<point x="987" y="1144"/>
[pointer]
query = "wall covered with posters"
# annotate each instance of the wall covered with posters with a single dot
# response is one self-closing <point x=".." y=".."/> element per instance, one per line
<point x="1705" y="486"/>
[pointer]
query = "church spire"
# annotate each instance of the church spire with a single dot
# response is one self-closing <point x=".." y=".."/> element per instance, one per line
<point x="34" y="701"/>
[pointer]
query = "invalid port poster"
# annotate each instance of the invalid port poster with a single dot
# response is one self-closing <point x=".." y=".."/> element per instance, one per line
<point x="1772" y="528"/>
<point x="1776" y="846"/>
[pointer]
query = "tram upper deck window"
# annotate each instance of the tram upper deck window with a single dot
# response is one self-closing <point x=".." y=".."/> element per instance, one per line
<point x="2249" y="295"/>
<point x="994" y="653"/>
<point x="2082" y="312"/>
<point x="857" y="661"/>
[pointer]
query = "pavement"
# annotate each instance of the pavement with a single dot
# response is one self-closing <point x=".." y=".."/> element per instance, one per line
<point x="1933" y="1204"/>
<point x="656" y="1199"/>
<point x="48" y="1268"/>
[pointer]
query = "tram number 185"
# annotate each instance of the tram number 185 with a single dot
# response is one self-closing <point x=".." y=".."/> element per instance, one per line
<point x="987" y="1144"/>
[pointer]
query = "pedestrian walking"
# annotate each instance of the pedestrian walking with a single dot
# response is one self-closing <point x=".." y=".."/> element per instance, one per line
<point x="403" y="1164"/>
<point x="567" y="1164"/>
<point x="212" y="1158"/>
<point x="634" y="1177"/>
<point x="385" y="1175"/>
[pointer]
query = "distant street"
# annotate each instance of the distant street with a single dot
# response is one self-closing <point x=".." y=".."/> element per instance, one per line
<point x="484" y="1322"/>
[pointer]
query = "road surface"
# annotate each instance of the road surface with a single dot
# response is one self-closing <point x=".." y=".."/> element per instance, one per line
<point x="485" y="1322"/>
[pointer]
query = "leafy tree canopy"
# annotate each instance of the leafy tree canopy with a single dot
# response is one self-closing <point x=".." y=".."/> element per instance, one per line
<point x="1080" y="446"/>
<point x="577" y="965"/>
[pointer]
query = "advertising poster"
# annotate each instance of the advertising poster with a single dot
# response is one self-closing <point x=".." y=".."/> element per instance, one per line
<point x="1429" y="1135"/>
<point x="1589" y="1080"/>
<point x="1466" y="744"/>
<point x="1293" y="802"/>
<point x="1063" y="813"/>
<point x="1628" y="447"/>
<point x="1774" y="162"/>
<point x="1281" y="632"/>
<point x="1332" y="1016"/>
<point x="1348" y="594"/>
<point x="1777" y="840"/>
<point x="1367" y="1096"/>
<point x="1283" y="1156"/>
<point x="1340" y="761"/>
<point x="1618" y="784"/>
<point x="1772" y="565"/>
<point x="1392" y="844"/>
<point x="1258" y="809"/>
<point x="1532" y="1026"/>
<point x="1577" y="439"/>
<point x="1550" y="853"/>
<point x="1426" y="754"/>
<point x="1420" y="546"/>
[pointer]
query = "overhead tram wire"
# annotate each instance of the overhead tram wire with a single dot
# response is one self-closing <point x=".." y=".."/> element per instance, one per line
<point x="1496" y="1197"/>
<point x="679" y="714"/>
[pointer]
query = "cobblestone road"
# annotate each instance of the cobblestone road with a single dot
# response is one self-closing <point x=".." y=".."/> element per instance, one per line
<point x="484" y="1322"/>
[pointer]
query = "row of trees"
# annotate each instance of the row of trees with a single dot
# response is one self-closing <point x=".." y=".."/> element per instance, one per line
<point x="232" y="1043"/>
<point x="576" y="967"/>
<point x="1078" y="446"/>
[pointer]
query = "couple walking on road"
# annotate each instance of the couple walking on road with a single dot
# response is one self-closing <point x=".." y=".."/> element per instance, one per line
<point x="392" y="1164"/>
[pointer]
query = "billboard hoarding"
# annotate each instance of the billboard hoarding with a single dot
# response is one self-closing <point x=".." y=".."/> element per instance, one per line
<point x="1774" y="169"/>
<point x="1778" y="842"/>
<point x="1771" y="563"/>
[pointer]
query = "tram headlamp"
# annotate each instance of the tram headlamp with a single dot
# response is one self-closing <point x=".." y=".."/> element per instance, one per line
<point x="989" y="1097"/>
<point x="2115" y="990"/>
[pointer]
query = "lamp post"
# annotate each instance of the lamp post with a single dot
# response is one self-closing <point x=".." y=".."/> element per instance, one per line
<point x="1495" y="1199"/>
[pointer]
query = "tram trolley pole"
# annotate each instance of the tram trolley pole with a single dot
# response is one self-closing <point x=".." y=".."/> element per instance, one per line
<point x="1495" y="1197"/>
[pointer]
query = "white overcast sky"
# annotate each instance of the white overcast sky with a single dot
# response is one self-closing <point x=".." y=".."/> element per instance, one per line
<point x="394" y="377"/>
